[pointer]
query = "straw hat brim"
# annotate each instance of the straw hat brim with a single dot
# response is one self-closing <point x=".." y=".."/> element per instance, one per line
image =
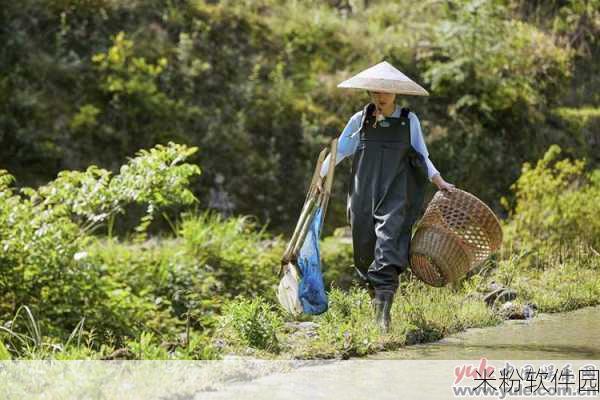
<point x="384" y="85"/>
<point x="384" y="77"/>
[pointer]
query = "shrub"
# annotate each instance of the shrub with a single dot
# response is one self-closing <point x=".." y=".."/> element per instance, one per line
<point x="251" y="323"/>
<point x="557" y="203"/>
<point x="145" y="347"/>
<point x="255" y="82"/>
<point x="242" y="257"/>
<point x="44" y="234"/>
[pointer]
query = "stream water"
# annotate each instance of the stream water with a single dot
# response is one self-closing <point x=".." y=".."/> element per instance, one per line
<point x="569" y="335"/>
<point x="428" y="371"/>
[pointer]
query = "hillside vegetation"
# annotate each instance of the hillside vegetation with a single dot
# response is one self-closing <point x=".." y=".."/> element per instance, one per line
<point x="154" y="156"/>
<point x="253" y="85"/>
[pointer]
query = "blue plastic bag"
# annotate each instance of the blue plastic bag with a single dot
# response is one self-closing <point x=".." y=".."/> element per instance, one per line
<point x="312" y="288"/>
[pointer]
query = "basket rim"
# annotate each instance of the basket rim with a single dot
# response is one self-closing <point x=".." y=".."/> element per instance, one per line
<point x="478" y="201"/>
<point x="481" y="202"/>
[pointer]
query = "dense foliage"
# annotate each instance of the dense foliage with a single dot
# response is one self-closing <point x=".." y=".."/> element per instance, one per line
<point x="557" y="204"/>
<point x="252" y="84"/>
<point x="249" y="90"/>
<point x="69" y="294"/>
<point x="44" y="232"/>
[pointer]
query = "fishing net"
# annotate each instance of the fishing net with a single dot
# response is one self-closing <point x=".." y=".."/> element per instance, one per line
<point x="301" y="289"/>
<point x="312" y="289"/>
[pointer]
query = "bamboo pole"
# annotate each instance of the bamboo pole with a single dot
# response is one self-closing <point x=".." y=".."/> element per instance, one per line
<point x="313" y="201"/>
<point x="322" y="201"/>
<point x="306" y="210"/>
<point x="305" y="228"/>
<point x="330" y="172"/>
<point x="317" y="173"/>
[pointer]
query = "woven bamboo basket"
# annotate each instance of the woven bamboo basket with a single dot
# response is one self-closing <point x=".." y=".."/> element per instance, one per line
<point x="456" y="234"/>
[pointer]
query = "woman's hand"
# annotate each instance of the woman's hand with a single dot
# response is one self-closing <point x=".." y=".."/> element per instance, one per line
<point x="441" y="183"/>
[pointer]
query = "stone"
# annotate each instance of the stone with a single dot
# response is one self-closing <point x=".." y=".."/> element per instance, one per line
<point x="529" y="310"/>
<point x="304" y="326"/>
<point x="511" y="310"/>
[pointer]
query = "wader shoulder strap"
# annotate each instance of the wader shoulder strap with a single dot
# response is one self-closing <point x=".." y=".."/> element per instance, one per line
<point x="368" y="112"/>
<point x="366" y="115"/>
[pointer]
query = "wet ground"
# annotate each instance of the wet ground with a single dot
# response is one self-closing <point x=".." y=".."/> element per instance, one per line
<point x="427" y="371"/>
<point x="571" y="335"/>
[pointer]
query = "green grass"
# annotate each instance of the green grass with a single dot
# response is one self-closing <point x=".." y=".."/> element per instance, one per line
<point x="174" y="300"/>
<point x="422" y="313"/>
<point x="563" y="287"/>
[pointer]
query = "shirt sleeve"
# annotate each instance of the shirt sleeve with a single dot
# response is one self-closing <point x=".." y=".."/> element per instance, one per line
<point x="418" y="142"/>
<point x="347" y="142"/>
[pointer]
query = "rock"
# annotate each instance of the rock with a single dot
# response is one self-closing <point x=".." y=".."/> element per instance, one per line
<point x="308" y="325"/>
<point x="414" y="337"/>
<point x="300" y="330"/>
<point x="304" y="326"/>
<point x="529" y="310"/>
<point x="511" y="310"/>
<point x="312" y="334"/>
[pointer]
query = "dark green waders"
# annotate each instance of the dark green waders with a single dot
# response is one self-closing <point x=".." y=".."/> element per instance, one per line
<point x="384" y="201"/>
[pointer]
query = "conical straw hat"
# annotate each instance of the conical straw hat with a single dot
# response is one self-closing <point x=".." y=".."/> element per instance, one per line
<point x="383" y="77"/>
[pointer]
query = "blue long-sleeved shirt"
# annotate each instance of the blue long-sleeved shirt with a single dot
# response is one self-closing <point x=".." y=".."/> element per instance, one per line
<point x="349" y="139"/>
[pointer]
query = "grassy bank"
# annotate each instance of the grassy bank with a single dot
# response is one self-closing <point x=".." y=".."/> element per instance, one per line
<point x="208" y="288"/>
<point x="177" y="309"/>
<point x="179" y="302"/>
<point x="420" y="313"/>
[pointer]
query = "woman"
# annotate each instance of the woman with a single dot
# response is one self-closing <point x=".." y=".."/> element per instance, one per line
<point x="390" y="167"/>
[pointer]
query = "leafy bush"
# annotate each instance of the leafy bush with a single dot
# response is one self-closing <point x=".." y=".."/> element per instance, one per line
<point x="255" y="82"/>
<point x="582" y="127"/>
<point x="44" y="233"/>
<point x="241" y="257"/>
<point x="190" y="277"/>
<point x="252" y="323"/>
<point x="146" y="348"/>
<point x="557" y="204"/>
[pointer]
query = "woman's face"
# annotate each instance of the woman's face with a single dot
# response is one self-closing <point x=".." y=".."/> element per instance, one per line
<point x="382" y="100"/>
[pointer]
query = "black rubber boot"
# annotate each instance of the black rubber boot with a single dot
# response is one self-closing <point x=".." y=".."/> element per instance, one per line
<point x="383" y="305"/>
